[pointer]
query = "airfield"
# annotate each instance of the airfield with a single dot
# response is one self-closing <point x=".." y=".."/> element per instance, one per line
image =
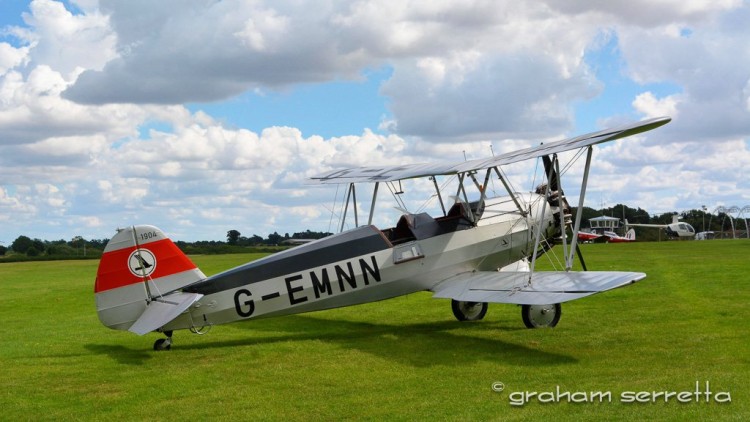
<point x="684" y="328"/>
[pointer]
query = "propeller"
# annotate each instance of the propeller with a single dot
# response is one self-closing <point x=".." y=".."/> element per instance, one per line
<point x="556" y="198"/>
<point x="556" y="194"/>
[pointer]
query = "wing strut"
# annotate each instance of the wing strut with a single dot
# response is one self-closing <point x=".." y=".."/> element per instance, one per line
<point x="561" y="201"/>
<point x="541" y="220"/>
<point x="510" y="192"/>
<point x="350" y="194"/>
<point x="579" y="213"/>
<point x="372" y="205"/>
<point x="461" y="189"/>
<point x="440" y="197"/>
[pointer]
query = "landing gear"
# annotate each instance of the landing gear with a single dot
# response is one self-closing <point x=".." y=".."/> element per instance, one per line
<point x="538" y="316"/>
<point x="468" y="311"/>
<point x="164" y="343"/>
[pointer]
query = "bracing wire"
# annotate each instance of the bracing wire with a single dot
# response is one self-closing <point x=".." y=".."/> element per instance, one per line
<point x="399" y="201"/>
<point x="432" y="197"/>
<point x="333" y="208"/>
<point x="572" y="161"/>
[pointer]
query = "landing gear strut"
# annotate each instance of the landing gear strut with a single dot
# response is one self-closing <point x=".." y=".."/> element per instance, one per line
<point x="164" y="343"/>
<point x="538" y="316"/>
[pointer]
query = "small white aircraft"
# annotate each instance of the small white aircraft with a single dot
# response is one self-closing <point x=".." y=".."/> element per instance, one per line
<point x="675" y="230"/>
<point x="477" y="252"/>
<point x="606" y="237"/>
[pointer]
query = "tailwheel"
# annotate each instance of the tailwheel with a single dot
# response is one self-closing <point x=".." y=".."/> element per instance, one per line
<point x="539" y="316"/>
<point x="468" y="311"/>
<point x="164" y="343"/>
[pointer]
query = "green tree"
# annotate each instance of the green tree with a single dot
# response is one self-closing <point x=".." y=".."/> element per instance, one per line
<point x="233" y="236"/>
<point x="275" y="238"/>
<point x="22" y="244"/>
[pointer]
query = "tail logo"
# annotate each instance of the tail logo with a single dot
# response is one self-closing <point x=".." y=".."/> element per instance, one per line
<point x="142" y="262"/>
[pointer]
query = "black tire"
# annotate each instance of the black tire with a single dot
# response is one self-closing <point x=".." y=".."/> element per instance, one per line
<point x="162" y="344"/>
<point x="541" y="316"/>
<point x="468" y="311"/>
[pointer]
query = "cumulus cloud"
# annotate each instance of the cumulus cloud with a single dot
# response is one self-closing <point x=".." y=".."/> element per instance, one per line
<point x="94" y="131"/>
<point x="11" y="57"/>
<point x="709" y="61"/>
<point x="523" y="95"/>
<point x="206" y="51"/>
<point x="650" y="106"/>
<point x="72" y="42"/>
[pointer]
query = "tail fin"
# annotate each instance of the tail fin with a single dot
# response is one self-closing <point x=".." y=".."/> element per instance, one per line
<point x="139" y="264"/>
<point x="630" y="235"/>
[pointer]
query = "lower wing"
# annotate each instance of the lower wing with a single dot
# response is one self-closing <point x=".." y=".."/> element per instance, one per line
<point x="542" y="288"/>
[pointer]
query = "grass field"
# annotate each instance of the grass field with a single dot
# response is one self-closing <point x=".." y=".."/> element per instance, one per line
<point x="406" y="358"/>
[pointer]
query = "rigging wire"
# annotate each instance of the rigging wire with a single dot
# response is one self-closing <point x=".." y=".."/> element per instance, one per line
<point x="333" y="208"/>
<point x="432" y="197"/>
<point x="396" y="196"/>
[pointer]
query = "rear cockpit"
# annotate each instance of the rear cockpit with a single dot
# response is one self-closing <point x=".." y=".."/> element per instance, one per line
<point x="421" y="226"/>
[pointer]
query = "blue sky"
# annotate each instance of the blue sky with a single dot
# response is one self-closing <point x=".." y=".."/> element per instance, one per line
<point x="116" y="113"/>
<point x="610" y="69"/>
<point x="10" y="13"/>
<point x="331" y="109"/>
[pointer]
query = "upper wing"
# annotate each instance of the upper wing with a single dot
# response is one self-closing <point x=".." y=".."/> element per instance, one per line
<point x="408" y="171"/>
<point x="545" y="287"/>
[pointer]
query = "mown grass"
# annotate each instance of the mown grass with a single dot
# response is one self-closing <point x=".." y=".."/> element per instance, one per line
<point x="406" y="358"/>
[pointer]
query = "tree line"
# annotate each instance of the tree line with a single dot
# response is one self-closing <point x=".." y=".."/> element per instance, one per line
<point x="234" y="237"/>
<point x="36" y="248"/>
<point x="24" y="247"/>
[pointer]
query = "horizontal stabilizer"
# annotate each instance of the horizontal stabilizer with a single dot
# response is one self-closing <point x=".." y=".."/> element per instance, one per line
<point x="545" y="287"/>
<point x="163" y="310"/>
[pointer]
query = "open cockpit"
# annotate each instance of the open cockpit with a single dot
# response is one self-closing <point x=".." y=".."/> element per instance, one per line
<point x="409" y="227"/>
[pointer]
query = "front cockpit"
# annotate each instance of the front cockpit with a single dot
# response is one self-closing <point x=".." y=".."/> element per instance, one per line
<point x="409" y="227"/>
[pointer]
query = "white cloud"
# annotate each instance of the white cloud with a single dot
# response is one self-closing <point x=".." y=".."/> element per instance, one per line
<point x="710" y="63"/>
<point x="214" y="51"/>
<point x="11" y="57"/>
<point x="650" y="106"/>
<point x="72" y="42"/>
<point x="263" y="30"/>
<point x="94" y="133"/>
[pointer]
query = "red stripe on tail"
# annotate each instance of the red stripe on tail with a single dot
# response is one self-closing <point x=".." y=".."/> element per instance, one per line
<point x="157" y="259"/>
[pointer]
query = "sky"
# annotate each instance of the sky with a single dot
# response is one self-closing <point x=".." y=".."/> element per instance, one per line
<point x="206" y="116"/>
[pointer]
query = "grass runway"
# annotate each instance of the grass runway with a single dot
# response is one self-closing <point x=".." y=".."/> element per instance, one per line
<point x="406" y="358"/>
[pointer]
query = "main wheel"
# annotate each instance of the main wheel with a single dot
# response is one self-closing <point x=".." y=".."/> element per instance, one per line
<point x="468" y="311"/>
<point x="163" y="344"/>
<point x="538" y="316"/>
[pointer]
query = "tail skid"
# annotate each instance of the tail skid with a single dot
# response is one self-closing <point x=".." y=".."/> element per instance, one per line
<point x="138" y="278"/>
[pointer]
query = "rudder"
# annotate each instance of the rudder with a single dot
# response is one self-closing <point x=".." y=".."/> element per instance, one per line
<point x="138" y="264"/>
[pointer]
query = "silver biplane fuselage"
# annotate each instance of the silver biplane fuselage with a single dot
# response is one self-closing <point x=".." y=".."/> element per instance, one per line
<point x="365" y="264"/>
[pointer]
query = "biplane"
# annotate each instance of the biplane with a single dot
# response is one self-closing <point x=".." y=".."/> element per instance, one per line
<point x="481" y="249"/>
